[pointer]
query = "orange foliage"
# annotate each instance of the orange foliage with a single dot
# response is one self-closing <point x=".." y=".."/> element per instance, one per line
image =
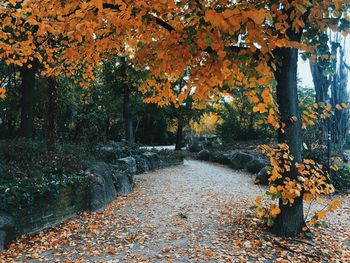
<point x="2" y="93"/>
<point x="311" y="183"/>
<point x="220" y="42"/>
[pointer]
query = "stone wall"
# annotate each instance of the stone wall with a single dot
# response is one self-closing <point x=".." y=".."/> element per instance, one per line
<point x="104" y="183"/>
<point x="45" y="212"/>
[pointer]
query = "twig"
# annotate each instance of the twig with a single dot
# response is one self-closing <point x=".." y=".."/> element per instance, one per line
<point x="293" y="251"/>
<point x="301" y="241"/>
<point x="308" y="211"/>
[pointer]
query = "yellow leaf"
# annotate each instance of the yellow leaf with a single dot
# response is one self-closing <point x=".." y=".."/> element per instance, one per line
<point x="221" y="54"/>
<point x="339" y="107"/>
<point x="275" y="210"/>
<point x="258" y="16"/>
<point x="2" y="93"/>
<point x="261" y="108"/>
<point x="166" y="249"/>
<point x="321" y="214"/>
<point x="333" y="205"/>
<point x="273" y="190"/>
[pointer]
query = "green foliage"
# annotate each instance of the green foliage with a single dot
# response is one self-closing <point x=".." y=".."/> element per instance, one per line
<point x="28" y="172"/>
<point x="152" y="126"/>
<point x="341" y="178"/>
<point x="21" y="150"/>
<point x="112" y="151"/>
<point x="20" y="187"/>
<point x="241" y="124"/>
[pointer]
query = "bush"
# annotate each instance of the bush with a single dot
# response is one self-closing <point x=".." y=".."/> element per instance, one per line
<point x="21" y="150"/>
<point x="112" y="151"/>
<point x="19" y="186"/>
<point x="341" y="178"/>
<point x="237" y="126"/>
<point x="28" y="172"/>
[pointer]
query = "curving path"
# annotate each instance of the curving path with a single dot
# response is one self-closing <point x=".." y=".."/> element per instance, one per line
<point x="196" y="212"/>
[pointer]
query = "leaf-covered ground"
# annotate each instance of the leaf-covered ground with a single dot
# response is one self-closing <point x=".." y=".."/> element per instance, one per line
<point x="198" y="212"/>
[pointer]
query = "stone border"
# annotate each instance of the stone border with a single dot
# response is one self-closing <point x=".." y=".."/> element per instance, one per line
<point x="104" y="183"/>
<point x="239" y="160"/>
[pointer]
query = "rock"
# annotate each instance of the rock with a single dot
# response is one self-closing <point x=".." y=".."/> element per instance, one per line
<point x="2" y="240"/>
<point x="101" y="187"/>
<point x="6" y="221"/>
<point x="223" y="158"/>
<point x="240" y="160"/>
<point x="263" y="176"/>
<point x="127" y="165"/>
<point x="255" y="165"/>
<point x="194" y="146"/>
<point x="153" y="160"/>
<point x="226" y="157"/>
<point x="203" y="155"/>
<point x="123" y="183"/>
<point x="6" y="224"/>
<point x="141" y="165"/>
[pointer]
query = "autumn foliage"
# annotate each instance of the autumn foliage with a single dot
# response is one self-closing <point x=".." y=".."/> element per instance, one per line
<point x="221" y="44"/>
<point x="312" y="183"/>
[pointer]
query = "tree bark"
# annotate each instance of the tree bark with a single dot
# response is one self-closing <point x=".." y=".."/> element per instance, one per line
<point x="51" y="114"/>
<point x="179" y="132"/>
<point x="128" y="125"/>
<point x="290" y="221"/>
<point x="321" y="84"/>
<point x="27" y="101"/>
<point x="339" y="95"/>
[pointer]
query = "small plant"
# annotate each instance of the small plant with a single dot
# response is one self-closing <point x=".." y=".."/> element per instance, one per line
<point x="311" y="183"/>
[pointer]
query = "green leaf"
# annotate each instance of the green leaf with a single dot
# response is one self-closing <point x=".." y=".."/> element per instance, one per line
<point x="274" y="83"/>
<point x="208" y="41"/>
<point x="301" y="8"/>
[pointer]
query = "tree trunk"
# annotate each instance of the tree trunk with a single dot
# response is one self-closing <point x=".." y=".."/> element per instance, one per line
<point x="339" y="95"/>
<point x="321" y="84"/>
<point x="178" y="143"/>
<point x="127" y="117"/>
<point x="290" y="221"/>
<point x="27" y="102"/>
<point x="51" y="114"/>
<point x="128" y="126"/>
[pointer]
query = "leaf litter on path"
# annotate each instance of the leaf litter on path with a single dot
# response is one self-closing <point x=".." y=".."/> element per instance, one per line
<point x="197" y="212"/>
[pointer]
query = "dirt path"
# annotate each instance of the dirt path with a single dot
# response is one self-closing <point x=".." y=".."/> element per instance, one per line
<point x="196" y="212"/>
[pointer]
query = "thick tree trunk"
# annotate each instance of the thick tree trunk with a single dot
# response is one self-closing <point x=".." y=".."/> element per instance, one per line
<point x="178" y="143"/>
<point x="290" y="221"/>
<point x="27" y="102"/>
<point x="51" y="114"/>
<point x="128" y="125"/>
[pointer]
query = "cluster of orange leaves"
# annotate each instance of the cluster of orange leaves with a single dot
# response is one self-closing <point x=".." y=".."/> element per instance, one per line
<point x="222" y="43"/>
<point x="2" y="93"/>
<point x="311" y="183"/>
<point x="319" y="111"/>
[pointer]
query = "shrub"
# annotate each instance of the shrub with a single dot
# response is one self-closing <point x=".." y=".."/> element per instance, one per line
<point x="28" y="172"/>
<point x="21" y="150"/>
<point x="341" y="178"/>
